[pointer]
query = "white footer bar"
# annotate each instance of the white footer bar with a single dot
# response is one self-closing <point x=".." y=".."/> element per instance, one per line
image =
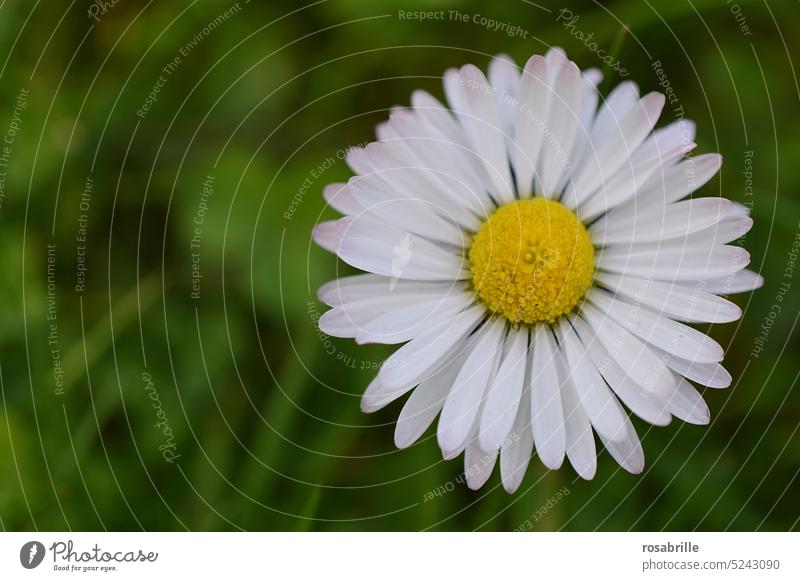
<point x="400" y="556"/>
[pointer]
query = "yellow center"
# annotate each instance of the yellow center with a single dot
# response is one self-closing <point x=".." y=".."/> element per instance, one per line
<point x="532" y="261"/>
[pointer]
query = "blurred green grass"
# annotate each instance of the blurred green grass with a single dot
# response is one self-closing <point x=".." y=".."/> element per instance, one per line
<point x="265" y="411"/>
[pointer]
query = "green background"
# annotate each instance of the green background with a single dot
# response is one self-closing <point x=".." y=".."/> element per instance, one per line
<point x="263" y="410"/>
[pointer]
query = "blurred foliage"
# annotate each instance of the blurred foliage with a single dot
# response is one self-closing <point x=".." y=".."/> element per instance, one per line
<point x="263" y="410"/>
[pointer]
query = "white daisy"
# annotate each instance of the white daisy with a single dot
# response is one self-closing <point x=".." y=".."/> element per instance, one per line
<point x="533" y="252"/>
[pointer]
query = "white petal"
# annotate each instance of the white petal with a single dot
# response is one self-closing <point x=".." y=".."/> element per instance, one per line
<point x="374" y="246"/>
<point x="426" y="402"/>
<point x="450" y="171"/>
<point x="515" y="455"/>
<point x="580" y="440"/>
<point x="682" y="179"/>
<point x="415" y="215"/>
<point x="340" y="199"/>
<point x="555" y="56"/>
<point x="671" y="336"/>
<point x="708" y="374"/>
<point x="385" y="133"/>
<point x="331" y="292"/>
<point x="377" y="395"/>
<point x="688" y="405"/>
<point x="534" y="99"/>
<point x="478" y="465"/>
<point x="396" y="161"/>
<point x="471" y="97"/>
<point x="593" y="75"/>
<point x="358" y="287"/>
<point x="504" y="78"/>
<point x="681" y="265"/>
<point x="586" y="114"/>
<point x="349" y="319"/>
<point x="327" y="235"/>
<point x="730" y="228"/>
<point x="640" y="401"/>
<point x="676" y="221"/>
<point x="502" y="399"/>
<point x="627" y="451"/>
<point x="358" y="160"/>
<point x="622" y="140"/>
<point x="636" y="359"/>
<point x="546" y="410"/>
<point x="438" y="116"/>
<point x="673" y="300"/>
<point x="739" y="282"/>
<point x="413" y="361"/>
<point x="627" y="181"/>
<point x="596" y="399"/>
<point x="738" y="210"/>
<point x="406" y="164"/>
<point x="465" y="398"/>
<point x="677" y="134"/>
<point x="619" y="103"/>
<point x="562" y="122"/>
<point x="665" y="187"/>
<point x="403" y="324"/>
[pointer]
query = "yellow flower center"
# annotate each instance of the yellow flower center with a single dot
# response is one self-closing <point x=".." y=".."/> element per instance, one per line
<point x="532" y="261"/>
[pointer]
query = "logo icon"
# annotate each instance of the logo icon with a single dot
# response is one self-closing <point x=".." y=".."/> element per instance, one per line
<point x="31" y="554"/>
<point x="402" y="256"/>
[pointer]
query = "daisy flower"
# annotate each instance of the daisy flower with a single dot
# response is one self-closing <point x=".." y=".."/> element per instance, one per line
<point x="539" y="253"/>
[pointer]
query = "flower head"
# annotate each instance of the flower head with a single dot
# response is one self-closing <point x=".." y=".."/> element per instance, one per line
<point x="532" y="249"/>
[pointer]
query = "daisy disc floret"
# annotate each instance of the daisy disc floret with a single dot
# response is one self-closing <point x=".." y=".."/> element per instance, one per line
<point x="531" y="261"/>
